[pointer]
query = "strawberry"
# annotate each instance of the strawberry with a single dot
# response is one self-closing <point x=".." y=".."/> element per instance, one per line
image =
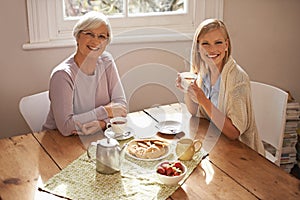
<point x="170" y="168"/>
<point x="178" y="165"/>
<point x="161" y="170"/>
<point x="177" y="173"/>
<point x="169" y="171"/>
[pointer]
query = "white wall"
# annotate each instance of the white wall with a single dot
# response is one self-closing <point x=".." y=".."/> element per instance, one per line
<point x="264" y="35"/>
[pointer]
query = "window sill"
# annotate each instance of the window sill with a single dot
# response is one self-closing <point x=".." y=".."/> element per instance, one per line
<point x="171" y="37"/>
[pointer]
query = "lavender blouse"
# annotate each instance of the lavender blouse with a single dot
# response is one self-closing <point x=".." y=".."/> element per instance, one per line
<point x="75" y="96"/>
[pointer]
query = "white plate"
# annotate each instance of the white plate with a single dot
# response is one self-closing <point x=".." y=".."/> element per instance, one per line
<point x="169" y="127"/>
<point x="109" y="133"/>
<point x="168" y="151"/>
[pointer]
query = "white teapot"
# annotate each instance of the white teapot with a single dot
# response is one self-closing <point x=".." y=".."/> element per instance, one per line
<point x="108" y="155"/>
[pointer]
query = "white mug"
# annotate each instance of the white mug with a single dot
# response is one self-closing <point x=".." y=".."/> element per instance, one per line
<point x="187" y="78"/>
<point x="118" y="125"/>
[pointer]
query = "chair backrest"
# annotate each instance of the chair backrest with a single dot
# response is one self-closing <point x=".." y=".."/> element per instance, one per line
<point x="269" y="104"/>
<point x="34" y="109"/>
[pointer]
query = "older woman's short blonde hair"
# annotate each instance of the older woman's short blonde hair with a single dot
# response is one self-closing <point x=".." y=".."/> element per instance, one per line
<point x="92" y="20"/>
<point x="197" y="63"/>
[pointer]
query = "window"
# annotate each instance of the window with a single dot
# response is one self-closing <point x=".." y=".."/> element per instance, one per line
<point x="121" y="8"/>
<point x="51" y="21"/>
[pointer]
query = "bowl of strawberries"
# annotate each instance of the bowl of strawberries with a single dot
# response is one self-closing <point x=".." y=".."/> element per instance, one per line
<point x="170" y="172"/>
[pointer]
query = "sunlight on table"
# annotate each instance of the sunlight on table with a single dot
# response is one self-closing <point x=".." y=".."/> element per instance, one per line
<point x="208" y="170"/>
<point x="44" y="195"/>
<point x="140" y="122"/>
<point x="144" y="127"/>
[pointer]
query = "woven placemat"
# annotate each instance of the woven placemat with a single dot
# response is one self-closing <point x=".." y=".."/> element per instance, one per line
<point x="136" y="180"/>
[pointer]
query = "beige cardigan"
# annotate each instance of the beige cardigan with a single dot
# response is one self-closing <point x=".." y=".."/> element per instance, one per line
<point x="235" y="101"/>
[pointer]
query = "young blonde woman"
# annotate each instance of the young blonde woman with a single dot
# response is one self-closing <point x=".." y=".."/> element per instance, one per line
<point x="222" y="90"/>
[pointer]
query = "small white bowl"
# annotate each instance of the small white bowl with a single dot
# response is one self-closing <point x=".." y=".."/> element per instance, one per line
<point x="170" y="180"/>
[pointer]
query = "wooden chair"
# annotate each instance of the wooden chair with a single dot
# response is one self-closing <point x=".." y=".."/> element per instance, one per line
<point x="34" y="109"/>
<point x="269" y="104"/>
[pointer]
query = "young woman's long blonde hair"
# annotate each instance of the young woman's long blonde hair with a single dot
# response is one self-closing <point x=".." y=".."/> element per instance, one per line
<point x="198" y="65"/>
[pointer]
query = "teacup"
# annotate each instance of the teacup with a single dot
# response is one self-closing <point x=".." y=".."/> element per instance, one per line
<point x="118" y="125"/>
<point x="187" y="78"/>
<point x="186" y="148"/>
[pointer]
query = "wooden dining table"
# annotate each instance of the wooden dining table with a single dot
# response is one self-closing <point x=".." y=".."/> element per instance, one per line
<point x="231" y="170"/>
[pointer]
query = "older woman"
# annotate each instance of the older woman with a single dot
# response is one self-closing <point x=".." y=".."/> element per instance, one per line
<point x="85" y="89"/>
<point x="222" y="90"/>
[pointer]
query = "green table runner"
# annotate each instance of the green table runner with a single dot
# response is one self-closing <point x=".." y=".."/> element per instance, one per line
<point x="136" y="180"/>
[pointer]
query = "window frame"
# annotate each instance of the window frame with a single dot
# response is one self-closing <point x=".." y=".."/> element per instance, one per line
<point x="46" y="31"/>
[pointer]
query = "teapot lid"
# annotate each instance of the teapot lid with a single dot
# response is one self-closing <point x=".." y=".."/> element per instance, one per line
<point x="108" y="142"/>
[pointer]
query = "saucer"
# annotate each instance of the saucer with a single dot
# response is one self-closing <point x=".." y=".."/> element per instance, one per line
<point x="169" y="127"/>
<point x="109" y="133"/>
